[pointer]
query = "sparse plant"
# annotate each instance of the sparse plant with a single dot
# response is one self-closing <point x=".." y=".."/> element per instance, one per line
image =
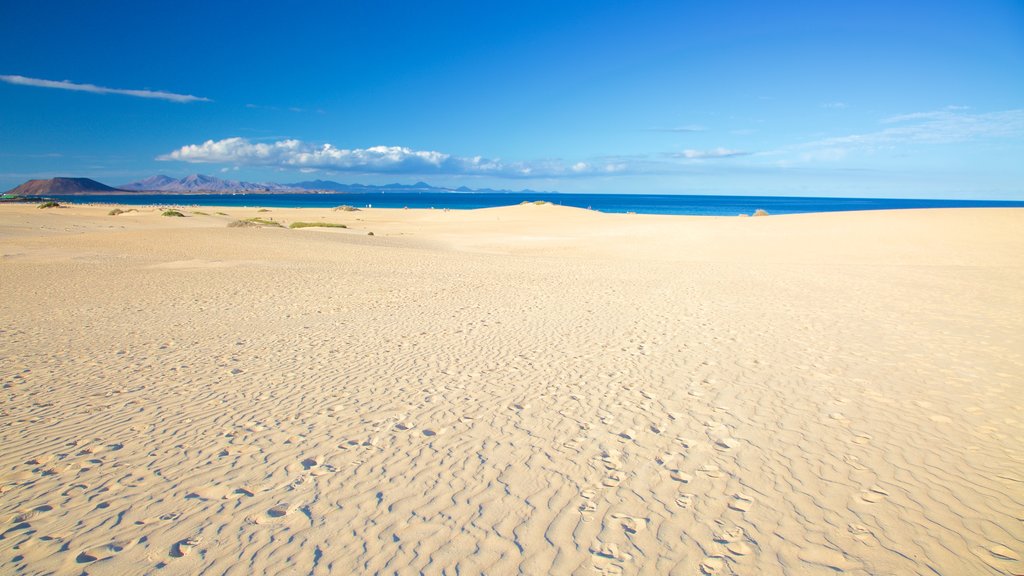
<point x="50" y="205"/>
<point x="254" y="222"/>
<point x="316" y="225"/>
<point x="115" y="212"/>
<point x="369" y="233"/>
<point x="760" y="212"/>
<point x="345" y="208"/>
<point x="199" y="213"/>
<point x="263" y="210"/>
<point x="222" y="213"/>
<point x="172" y="213"/>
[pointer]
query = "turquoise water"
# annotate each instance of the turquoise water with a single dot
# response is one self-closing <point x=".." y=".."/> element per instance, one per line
<point x="641" y="204"/>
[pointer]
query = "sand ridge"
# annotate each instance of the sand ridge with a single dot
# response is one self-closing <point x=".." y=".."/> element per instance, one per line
<point x="531" y="389"/>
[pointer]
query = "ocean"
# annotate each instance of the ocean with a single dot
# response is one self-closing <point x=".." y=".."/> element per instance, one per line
<point x="621" y="203"/>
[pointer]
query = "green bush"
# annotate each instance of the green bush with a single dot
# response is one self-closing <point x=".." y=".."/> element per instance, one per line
<point x="316" y="225"/>
<point x="173" y="213"/>
<point x="254" y="222"/>
<point x="49" y="205"/>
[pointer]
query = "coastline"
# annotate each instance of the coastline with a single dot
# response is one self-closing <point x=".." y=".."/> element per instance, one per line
<point x="534" y="387"/>
<point x="608" y="203"/>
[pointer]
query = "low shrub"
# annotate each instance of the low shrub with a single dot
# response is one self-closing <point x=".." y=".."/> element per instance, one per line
<point x="254" y="223"/>
<point x="316" y="225"/>
<point x="50" y="205"/>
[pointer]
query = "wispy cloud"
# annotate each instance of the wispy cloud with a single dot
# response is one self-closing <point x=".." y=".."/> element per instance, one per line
<point x="938" y="127"/>
<point x="67" y="85"/>
<point x="834" y="105"/>
<point x="708" y="154"/>
<point x="289" y="108"/>
<point x="950" y="125"/>
<point x="301" y="155"/>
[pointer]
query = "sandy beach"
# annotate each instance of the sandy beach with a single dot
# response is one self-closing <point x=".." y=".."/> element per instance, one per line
<point x="524" y="390"/>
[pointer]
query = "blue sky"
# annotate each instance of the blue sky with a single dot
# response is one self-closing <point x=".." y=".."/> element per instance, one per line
<point x="899" y="99"/>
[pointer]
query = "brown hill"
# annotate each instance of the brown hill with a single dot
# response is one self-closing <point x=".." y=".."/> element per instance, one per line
<point x="57" y="186"/>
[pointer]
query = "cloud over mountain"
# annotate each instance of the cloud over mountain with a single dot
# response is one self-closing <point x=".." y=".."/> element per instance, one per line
<point x="375" y="159"/>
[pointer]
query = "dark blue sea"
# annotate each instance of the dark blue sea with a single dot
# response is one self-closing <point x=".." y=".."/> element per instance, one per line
<point x="641" y="204"/>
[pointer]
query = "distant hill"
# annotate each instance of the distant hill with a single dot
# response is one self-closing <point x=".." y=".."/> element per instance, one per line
<point x="339" y="187"/>
<point x="201" y="183"/>
<point x="329" y="185"/>
<point x="58" y="186"/>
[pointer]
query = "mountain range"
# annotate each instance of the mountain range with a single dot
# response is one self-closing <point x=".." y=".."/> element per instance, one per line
<point x="203" y="184"/>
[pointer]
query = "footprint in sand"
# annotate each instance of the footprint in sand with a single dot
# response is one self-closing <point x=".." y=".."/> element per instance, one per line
<point x="711" y="470"/>
<point x="610" y="551"/>
<point x="874" y="494"/>
<point x="741" y="502"/>
<point x="680" y="476"/>
<point x="739" y="548"/>
<point x="405" y="426"/>
<point x="861" y="438"/>
<point x="684" y="500"/>
<point x="40" y="460"/>
<point x="712" y="565"/>
<point x="611" y="460"/>
<point x="729" y="535"/>
<point x="860" y="532"/>
<point x="312" y="462"/>
<point x="628" y="434"/>
<point x="726" y="443"/>
<point x="734" y="541"/>
<point x="186" y="546"/>
<point x="103" y="552"/>
<point x="247" y="490"/>
<point x="587" y="510"/>
<point x="612" y="480"/>
<point x="838" y="417"/>
<point x="32" y="514"/>
<point x="280" y="510"/>
<point x="853" y="462"/>
<point x="630" y="524"/>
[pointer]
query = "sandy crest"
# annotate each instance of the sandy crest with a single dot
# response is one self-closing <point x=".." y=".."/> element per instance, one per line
<point x="532" y="389"/>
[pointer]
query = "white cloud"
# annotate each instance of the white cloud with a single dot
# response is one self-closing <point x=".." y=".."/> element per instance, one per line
<point x="936" y="127"/>
<point x="67" y="85"/>
<point x="709" y="154"/>
<point x="834" y="105"/>
<point x="296" y="154"/>
<point x="950" y="125"/>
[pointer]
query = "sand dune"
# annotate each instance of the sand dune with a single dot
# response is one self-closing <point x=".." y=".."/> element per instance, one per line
<point x="532" y="389"/>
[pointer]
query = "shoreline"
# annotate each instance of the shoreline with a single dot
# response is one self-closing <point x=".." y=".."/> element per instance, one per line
<point x="991" y="205"/>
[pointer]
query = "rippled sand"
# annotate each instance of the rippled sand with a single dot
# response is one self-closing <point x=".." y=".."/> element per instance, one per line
<point x="532" y="389"/>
